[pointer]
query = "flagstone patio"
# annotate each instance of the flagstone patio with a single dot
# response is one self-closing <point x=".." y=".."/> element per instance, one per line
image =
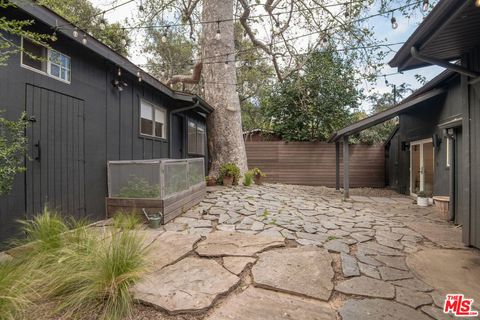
<point x="297" y="252"/>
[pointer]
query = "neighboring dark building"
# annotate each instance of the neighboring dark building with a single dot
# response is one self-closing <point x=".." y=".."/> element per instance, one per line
<point x="87" y="105"/>
<point x="436" y="147"/>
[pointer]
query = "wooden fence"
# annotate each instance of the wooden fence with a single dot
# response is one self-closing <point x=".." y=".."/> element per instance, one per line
<point x="310" y="163"/>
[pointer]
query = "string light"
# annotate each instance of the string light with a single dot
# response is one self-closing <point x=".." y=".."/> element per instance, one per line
<point x="54" y="36"/>
<point x="75" y="32"/>
<point x="394" y="22"/>
<point x="139" y="75"/>
<point x="119" y="72"/>
<point x="84" y="39"/>
<point x="102" y="24"/>
<point x="425" y="5"/>
<point x="123" y="42"/>
<point x="164" y="36"/>
<point x="218" y="36"/>
<point x="477" y="3"/>
<point x="140" y="7"/>
<point x="347" y="11"/>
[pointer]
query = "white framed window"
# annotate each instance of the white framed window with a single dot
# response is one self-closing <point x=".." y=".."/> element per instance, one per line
<point x="196" y="138"/>
<point x="58" y="65"/>
<point x="448" y="152"/>
<point x="152" y="120"/>
<point x="45" y="61"/>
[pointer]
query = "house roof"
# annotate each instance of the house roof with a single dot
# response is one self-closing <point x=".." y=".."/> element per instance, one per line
<point x="52" y="19"/>
<point x="450" y="30"/>
<point x="428" y="91"/>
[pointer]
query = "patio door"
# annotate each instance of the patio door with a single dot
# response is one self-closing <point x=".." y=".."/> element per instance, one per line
<point x="56" y="168"/>
<point x="421" y="166"/>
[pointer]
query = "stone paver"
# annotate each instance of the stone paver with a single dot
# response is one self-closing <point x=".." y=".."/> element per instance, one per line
<point x="378" y="309"/>
<point x="222" y="243"/>
<point x="368" y="287"/>
<point x="237" y="264"/>
<point x="170" y="247"/>
<point x="304" y="271"/>
<point x="255" y="303"/>
<point x="189" y="285"/>
<point x="292" y="237"/>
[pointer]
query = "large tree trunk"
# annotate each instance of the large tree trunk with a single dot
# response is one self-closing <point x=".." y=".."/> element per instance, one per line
<point x="225" y="138"/>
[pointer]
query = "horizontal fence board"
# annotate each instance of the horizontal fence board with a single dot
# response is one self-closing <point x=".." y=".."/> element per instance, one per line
<point x="310" y="163"/>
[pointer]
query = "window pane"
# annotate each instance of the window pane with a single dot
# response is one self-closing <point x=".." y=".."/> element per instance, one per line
<point x="35" y="50"/>
<point x="63" y="75"/>
<point x="55" y="70"/>
<point x="146" y="122"/>
<point x="159" y="123"/>
<point x="55" y="57"/>
<point x="192" y="137"/>
<point x="201" y="140"/>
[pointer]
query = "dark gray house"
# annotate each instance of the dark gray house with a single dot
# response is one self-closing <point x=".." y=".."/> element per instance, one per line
<point x="86" y="105"/>
<point x="436" y="147"/>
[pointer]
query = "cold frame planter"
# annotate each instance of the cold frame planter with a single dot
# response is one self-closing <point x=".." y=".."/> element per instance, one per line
<point x="166" y="186"/>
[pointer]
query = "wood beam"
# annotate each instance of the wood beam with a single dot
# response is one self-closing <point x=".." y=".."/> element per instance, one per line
<point x="337" y="165"/>
<point x="346" y="178"/>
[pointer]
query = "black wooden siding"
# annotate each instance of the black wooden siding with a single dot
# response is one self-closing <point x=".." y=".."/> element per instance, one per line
<point x="110" y="132"/>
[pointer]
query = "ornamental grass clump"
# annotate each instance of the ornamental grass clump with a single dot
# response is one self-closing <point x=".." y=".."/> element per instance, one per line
<point x="82" y="273"/>
<point x="95" y="277"/>
<point x="127" y="220"/>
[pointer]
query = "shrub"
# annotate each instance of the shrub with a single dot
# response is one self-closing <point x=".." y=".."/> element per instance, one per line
<point x="258" y="173"/>
<point x="247" y="178"/>
<point x="139" y="188"/>
<point x="230" y="170"/>
<point x="127" y="220"/>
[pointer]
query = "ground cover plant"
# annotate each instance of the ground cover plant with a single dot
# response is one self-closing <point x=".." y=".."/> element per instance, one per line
<point x="80" y="270"/>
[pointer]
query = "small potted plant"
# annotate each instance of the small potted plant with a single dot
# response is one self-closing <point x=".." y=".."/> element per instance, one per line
<point x="229" y="174"/>
<point x="211" y="181"/>
<point x="247" y="178"/>
<point x="422" y="199"/>
<point x="258" y="176"/>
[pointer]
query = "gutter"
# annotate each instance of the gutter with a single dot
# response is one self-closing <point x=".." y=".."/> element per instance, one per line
<point x="445" y="64"/>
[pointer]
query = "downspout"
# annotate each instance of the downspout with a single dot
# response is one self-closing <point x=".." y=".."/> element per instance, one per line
<point x="445" y="64"/>
<point x="170" y="129"/>
<point x="451" y="212"/>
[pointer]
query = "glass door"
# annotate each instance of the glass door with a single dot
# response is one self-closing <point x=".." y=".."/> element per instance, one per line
<point x="421" y="166"/>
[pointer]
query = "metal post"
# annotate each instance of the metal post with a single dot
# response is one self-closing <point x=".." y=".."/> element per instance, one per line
<point x="346" y="183"/>
<point x="337" y="165"/>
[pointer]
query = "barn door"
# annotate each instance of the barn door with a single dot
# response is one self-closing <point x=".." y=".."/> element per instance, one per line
<point x="56" y="167"/>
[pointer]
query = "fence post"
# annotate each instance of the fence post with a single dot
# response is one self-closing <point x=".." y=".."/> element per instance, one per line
<point x="346" y="182"/>
<point x="337" y="165"/>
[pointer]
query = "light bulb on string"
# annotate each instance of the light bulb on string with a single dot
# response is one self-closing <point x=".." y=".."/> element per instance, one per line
<point x="75" y="32"/>
<point x="425" y="5"/>
<point x="84" y="39"/>
<point x="477" y="3"/>
<point x="140" y="7"/>
<point x="218" y="36"/>
<point x="347" y="11"/>
<point x="102" y="24"/>
<point x="394" y="22"/>
<point x="139" y="75"/>
<point x="54" y="36"/>
<point x="123" y="42"/>
<point x="119" y="72"/>
<point x="165" y="35"/>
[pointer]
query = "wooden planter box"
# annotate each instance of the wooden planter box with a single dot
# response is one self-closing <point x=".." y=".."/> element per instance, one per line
<point x="170" y="207"/>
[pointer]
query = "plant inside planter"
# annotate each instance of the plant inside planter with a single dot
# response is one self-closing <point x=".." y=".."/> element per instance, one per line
<point x="139" y="188"/>
<point x="229" y="174"/>
<point x="422" y="199"/>
<point x="258" y="176"/>
<point x="211" y="181"/>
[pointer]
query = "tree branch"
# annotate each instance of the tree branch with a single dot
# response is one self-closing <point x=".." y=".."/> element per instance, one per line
<point x="193" y="78"/>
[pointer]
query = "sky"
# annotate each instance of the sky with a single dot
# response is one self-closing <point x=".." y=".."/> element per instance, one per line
<point x="381" y="27"/>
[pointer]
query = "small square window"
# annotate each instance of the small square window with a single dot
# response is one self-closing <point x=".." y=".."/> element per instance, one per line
<point x="33" y="55"/>
<point x="152" y="120"/>
<point x="59" y="65"/>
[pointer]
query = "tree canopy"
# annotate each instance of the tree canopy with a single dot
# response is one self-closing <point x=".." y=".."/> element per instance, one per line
<point x="316" y="101"/>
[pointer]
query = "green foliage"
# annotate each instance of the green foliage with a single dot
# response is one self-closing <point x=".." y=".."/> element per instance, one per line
<point x="11" y="27"/>
<point x="230" y="170"/>
<point x="139" y="188"/>
<point x="82" y="272"/>
<point x="84" y="15"/>
<point x="258" y="173"/>
<point x="16" y="291"/>
<point x="248" y="178"/>
<point x="310" y="105"/>
<point x="127" y="220"/>
<point x="13" y="148"/>
<point x="422" y="194"/>
<point x="95" y="277"/>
